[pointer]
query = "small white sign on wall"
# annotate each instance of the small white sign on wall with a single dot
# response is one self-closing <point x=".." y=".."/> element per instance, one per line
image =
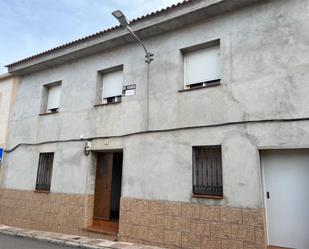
<point x="129" y="90"/>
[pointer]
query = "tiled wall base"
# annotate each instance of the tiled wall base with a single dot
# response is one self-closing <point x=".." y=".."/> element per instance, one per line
<point x="63" y="213"/>
<point x="161" y="223"/>
<point x="196" y="226"/>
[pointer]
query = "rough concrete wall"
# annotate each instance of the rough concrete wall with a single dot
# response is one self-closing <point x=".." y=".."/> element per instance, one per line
<point x="264" y="52"/>
<point x="70" y="168"/>
<point x="159" y="166"/>
<point x="77" y="115"/>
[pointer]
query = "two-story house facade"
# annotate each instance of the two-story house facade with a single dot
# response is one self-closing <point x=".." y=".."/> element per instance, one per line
<point x="204" y="147"/>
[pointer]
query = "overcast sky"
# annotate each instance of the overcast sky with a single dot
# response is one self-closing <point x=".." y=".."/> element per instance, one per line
<point x="28" y="27"/>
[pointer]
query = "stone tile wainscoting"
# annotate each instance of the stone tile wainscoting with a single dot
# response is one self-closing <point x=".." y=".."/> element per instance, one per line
<point x="184" y="225"/>
<point x="55" y="212"/>
<point x="160" y="223"/>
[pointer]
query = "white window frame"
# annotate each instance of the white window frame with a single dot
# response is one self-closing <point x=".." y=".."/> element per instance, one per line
<point x="196" y="48"/>
<point x="48" y="96"/>
<point x="112" y="98"/>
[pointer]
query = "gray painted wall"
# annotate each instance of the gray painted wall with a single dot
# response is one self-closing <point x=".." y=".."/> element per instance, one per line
<point x="265" y="57"/>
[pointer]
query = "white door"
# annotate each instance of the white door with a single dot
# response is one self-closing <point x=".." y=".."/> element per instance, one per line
<point x="286" y="179"/>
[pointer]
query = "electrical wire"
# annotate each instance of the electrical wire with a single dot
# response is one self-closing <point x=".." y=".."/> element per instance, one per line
<point x="157" y="131"/>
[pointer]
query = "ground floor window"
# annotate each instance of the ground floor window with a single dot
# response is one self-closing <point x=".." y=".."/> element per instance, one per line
<point x="44" y="171"/>
<point x="207" y="171"/>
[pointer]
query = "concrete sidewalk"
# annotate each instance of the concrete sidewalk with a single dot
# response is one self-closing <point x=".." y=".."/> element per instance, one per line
<point x="69" y="240"/>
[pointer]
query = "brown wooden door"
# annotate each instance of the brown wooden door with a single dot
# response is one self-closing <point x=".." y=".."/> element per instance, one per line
<point x="103" y="186"/>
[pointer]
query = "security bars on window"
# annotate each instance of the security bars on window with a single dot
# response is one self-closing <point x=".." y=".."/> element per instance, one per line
<point x="44" y="171"/>
<point x="207" y="171"/>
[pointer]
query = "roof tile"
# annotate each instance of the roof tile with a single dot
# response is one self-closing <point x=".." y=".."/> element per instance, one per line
<point x="136" y="20"/>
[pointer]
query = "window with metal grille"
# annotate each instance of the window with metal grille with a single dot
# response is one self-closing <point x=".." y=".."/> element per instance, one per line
<point x="44" y="171"/>
<point x="207" y="171"/>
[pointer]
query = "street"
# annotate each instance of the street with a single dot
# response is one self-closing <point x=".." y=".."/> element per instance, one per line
<point x="11" y="242"/>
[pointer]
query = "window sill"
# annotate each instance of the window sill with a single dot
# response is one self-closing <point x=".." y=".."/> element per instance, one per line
<point x="47" y="113"/>
<point x="201" y="87"/>
<point x="41" y="191"/>
<point x="207" y="196"/>
<point x="105" y="104"/>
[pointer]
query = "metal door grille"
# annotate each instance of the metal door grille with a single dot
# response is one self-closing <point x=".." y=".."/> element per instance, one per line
<point x="207" y="171"/>
<point x="44" y="171"/>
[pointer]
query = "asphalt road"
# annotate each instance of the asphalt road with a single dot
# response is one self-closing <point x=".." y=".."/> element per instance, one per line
<point x="11" y="242"/>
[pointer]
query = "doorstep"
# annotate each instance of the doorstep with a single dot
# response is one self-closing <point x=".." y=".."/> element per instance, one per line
<point x="69" y="240"/>
<point x="97" y="229"/>
<point x="109" y="227"/>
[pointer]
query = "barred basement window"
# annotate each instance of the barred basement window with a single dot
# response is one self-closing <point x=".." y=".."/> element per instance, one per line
<point x="207" y="171"/>
<point x="44" y="171"/>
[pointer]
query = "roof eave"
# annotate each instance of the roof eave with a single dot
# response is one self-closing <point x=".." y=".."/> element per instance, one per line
<point x="145" y="27"/>
<point x="5" y="76"/>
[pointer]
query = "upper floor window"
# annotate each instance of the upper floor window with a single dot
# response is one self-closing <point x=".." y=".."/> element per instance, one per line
<point x="112" y="83"/>
<point x="207" y="171"/>
<point x="51" y="98"/>
<point x="202" y="66"/>
<point x="53" y="101"/>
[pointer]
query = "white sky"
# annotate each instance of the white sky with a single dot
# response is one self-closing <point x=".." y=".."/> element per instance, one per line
<point x="28" y="27"/>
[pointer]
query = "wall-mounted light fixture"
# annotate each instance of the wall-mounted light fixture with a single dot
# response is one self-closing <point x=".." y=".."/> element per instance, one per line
<point x="124" y="23"/>
<point x="87" y="148"/>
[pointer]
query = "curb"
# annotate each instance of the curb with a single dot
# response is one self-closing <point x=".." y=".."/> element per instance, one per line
<point x="52" y="241"/>
<point x="69" y="240"/>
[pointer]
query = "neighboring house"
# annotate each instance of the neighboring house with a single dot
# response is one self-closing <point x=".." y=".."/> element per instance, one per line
<point x="8" y="86"/>
<point x="208" y="147"/>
